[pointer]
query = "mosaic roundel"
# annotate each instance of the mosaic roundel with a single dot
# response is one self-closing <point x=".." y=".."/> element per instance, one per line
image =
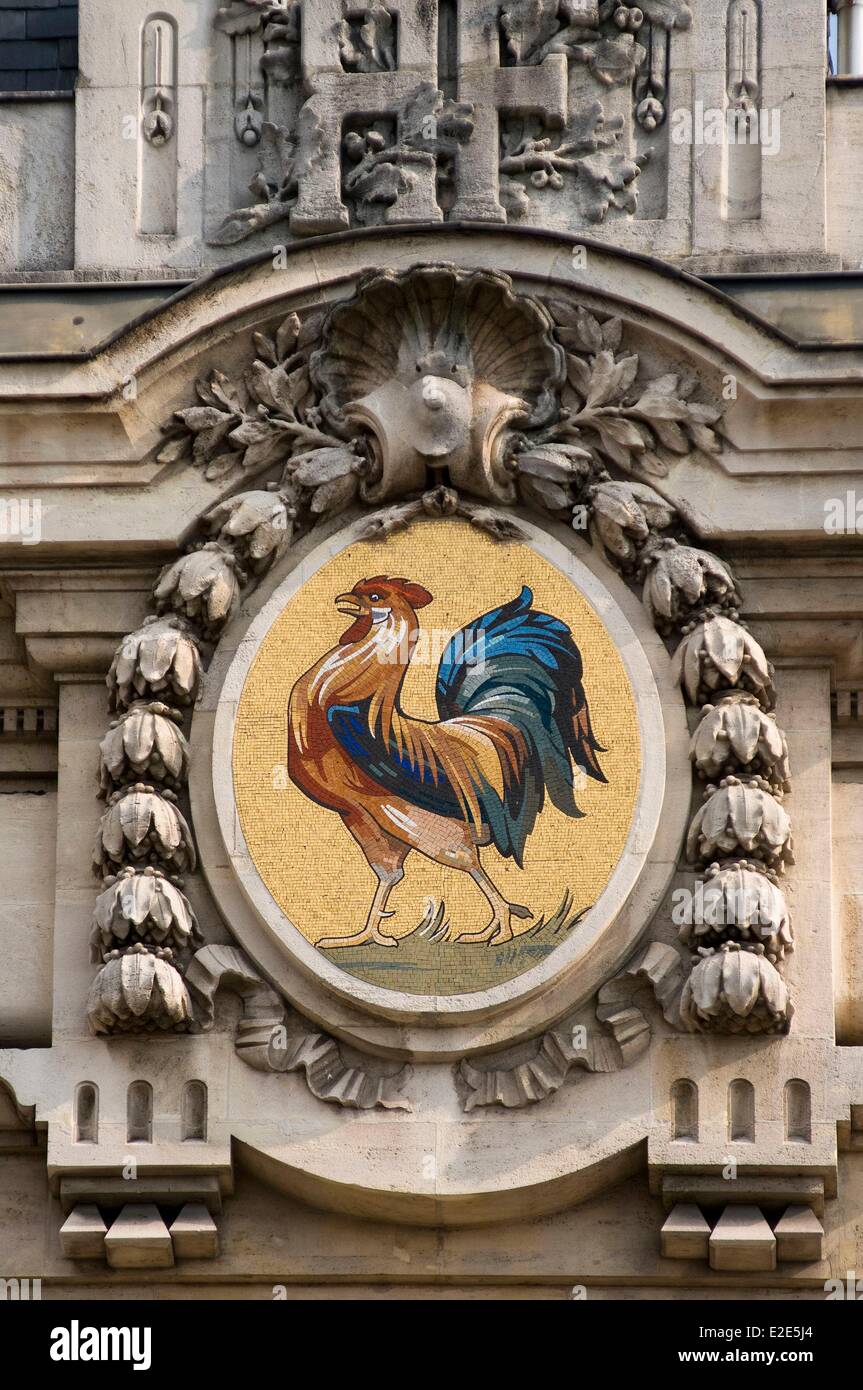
<point x="436" y="760"/>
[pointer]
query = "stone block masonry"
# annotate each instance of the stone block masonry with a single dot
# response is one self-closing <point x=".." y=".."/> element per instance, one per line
<point x="38" y="45"/>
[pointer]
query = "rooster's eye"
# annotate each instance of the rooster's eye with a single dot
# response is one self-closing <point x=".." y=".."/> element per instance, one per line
<point x="375" y="598"/>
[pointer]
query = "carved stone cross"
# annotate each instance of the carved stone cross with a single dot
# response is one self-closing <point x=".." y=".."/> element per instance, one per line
<point x="493" y="91"/>
<point x="336" y="95"/>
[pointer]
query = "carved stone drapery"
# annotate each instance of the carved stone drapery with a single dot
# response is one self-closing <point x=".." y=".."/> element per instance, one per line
<point x="264" y="1041"/>
<point x="624" y="1036"/>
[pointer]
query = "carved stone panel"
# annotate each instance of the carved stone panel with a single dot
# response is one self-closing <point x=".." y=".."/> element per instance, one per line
<point x="420" y="112"/>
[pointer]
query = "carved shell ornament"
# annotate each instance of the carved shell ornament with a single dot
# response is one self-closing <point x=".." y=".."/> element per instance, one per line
<point x="436" y="364"/>
<point x="444" y="392"/>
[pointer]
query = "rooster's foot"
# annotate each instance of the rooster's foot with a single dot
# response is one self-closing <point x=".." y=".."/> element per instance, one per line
<point x="499" y="929"/>
<point x="497" y="932"/>
<point x="369" y="936"/>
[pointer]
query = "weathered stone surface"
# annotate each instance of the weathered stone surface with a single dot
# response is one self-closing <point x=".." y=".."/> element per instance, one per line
<point x="799" y="1235"/>
<point x="139" y="1239"/>
<point x="742" y="1240"/>
<point x="685" y="1234"/>
<point x="82" y="1235"/>
<point x="194" y="1233"/>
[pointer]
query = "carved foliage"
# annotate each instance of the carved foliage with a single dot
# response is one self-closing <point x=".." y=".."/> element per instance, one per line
<point x="619" y="43"/>
<point x="143" y="825"/>
<point x="258" y="524"/>
<point x="719" y="654"/>
<point x="680" y="580"/>
<point x="612" y="420"/>
<point x="404" y="146"/>
<point x="263" y="420"/>
<point x="142" y="922"/>
<point x="144" y="904"/>
<point x="203" y="585"/>
<point x="160" y="658"/>
<point x="145" y="740"/>
<point x="624" y="515"/>
<point x="737" y="734"/>
<point x="589" y="150"/>
<point x="609" y="406"/>
<point x="139" y="991"/>
<point x="741" y="816"/>
<point x="735" y="991"/>
<point x="385" y="162"/>
<point x="739" y="901"/>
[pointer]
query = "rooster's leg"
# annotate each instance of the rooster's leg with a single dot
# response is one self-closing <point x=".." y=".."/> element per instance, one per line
<point x="371" y="934"/>
<point x="386" y="856"/>
<point x="499" y="928"/>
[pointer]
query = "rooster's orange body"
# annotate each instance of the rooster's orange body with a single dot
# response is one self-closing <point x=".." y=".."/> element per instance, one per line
<point x="513" y="719"/>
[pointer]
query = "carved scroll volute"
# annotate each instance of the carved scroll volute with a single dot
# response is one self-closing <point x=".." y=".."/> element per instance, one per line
<point x="399" y="419"/>
<point x="436" y="425"/>
<point x="494" y="416"/>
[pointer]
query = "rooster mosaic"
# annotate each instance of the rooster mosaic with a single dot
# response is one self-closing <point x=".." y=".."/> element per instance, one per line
<point x="513" y="729"/>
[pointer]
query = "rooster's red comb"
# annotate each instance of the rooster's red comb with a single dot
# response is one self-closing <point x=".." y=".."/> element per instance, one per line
<point x="415" y="594"/>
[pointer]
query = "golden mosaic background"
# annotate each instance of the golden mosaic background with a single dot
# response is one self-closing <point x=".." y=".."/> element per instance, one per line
<point x="315" y="871"/>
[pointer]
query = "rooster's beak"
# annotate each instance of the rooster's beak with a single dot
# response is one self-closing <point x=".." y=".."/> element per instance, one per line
<point x="349" y="604"/>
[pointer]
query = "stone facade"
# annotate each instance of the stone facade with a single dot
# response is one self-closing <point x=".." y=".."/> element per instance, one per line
<point x="498" y="937"/>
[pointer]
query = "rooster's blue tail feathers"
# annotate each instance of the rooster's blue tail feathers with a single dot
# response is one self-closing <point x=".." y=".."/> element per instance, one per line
<point x="522" y="666"/>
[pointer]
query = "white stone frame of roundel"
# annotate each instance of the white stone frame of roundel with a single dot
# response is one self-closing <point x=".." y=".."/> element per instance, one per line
<point x="390" y="1021"/>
